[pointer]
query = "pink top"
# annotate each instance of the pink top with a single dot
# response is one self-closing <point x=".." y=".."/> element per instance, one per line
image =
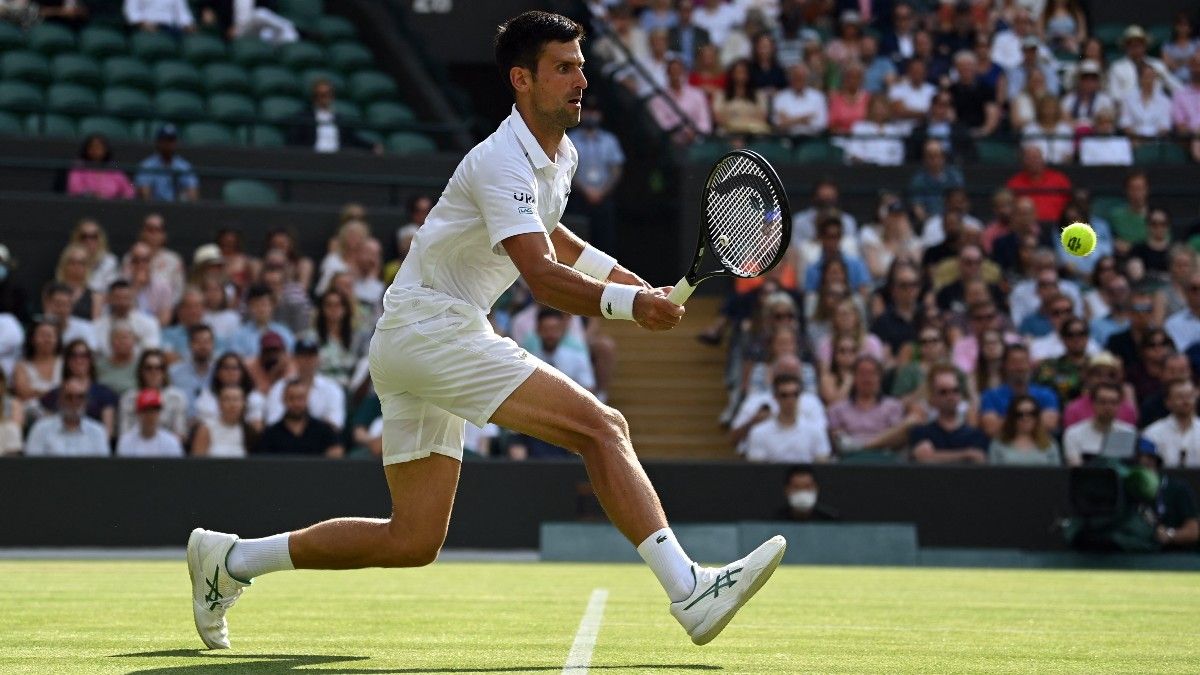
<point x="102" y="183"/>
<point x="691" y="102"/>
<point x="845" y="111"/>
<point x="1185" y="108"/>
<point x="1081" y="409"/>
<point x="990" y="234"/>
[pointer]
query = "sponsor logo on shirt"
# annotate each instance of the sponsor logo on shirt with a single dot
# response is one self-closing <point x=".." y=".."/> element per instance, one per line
<point x="525" y="210"/>
<point x="523" y="197"/>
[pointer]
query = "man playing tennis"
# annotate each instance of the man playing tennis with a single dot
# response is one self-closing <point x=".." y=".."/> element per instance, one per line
<point x="435" y="361"/>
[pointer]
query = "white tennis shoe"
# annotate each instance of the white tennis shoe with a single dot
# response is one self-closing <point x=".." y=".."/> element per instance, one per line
<point x="213" y="590"/>
<point x="721" y="591"/>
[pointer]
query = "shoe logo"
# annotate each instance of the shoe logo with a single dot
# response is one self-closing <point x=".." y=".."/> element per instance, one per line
<point x="214" y="596"/>
<point x="661" y="539"/>
<point x="608" y="308"/>
<point x="723" y="581"/>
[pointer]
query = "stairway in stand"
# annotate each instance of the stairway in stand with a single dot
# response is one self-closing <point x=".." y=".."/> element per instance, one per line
<point x="670" y="388"/>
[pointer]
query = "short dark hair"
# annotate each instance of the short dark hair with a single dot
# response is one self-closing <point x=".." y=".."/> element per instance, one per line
<point x="54" y="288"/>
<point x="797" y="471"/>
<point x="197" y="329"/>
<point x="257" y="291"/>
<point x="785" y="378"/>
<point x="88" y="141"/>
<point x="1013" y="348"/>
<point x="118" y="284"/>
<point x="550" y="313"/>
<point x="519" y="41"/>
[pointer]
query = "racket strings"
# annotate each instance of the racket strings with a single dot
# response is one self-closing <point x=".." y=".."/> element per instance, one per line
<point x="744" y="215"/>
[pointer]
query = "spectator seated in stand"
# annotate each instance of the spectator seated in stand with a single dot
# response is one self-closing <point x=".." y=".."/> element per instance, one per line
<point x="1050" y="190"/>
<point x="93" y="175"/>
<point x="172" y="401"/>
<point x="12" y="419"/>
<point x="1105" y="146"/>
<point x="784" y="436"/>
<point x="260" y="306"/>
<point x="799" y="110"/>
<point x="228" y="435"/>
<point x="1185" y="107"/>
<point x="326" y="399"/>
<point x="68" y="432"/>
<point x="165" y="176"/>
<point x="1091" y="437"/>
<point x="1023" y="439"/>
<point x="875" y="140"/>
<point x="947" y="439"/>
<point x="298" y="432"/>
<point x="682" y="110"/>
<point x="252" y="18"/>
<point x="173" y="16"/>
<point x="118" y="369"/>
<point x="230" y="371"/>
<point x="122" y="308"/>
<point x="868" y="421"/>
<point x="1017" y="372"/>
<point x="318" y="127"/>
<point x="928" y="186"/>
<point x="1146" y="111"/>
<point x="147" y="438"/>
<point x="802" y="494"/>
<point x="1177" y="436"/>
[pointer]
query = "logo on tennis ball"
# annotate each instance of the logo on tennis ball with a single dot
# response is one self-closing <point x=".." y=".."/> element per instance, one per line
<point x="1079" y="239"/>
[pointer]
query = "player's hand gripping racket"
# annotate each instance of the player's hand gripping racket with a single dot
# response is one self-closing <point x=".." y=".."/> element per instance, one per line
<point x="746" y="221"/>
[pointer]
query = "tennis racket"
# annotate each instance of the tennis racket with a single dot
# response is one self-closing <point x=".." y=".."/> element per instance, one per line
<point x="746" y="222"/>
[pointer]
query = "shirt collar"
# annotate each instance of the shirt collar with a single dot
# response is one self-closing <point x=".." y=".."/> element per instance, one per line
<point x="533" y="149"/>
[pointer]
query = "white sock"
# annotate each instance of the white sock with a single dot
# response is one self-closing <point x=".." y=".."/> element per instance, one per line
<point x="670" y="564"/>
<point x="250" y="558"/>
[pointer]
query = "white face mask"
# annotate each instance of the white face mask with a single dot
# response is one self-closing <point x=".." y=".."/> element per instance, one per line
<point x="803" y="500"/>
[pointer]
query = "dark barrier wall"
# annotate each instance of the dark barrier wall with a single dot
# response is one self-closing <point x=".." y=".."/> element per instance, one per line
<point x="126" y="502"/>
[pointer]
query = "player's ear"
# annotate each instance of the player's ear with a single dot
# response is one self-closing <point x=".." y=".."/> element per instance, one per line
<point x="520" y="78"/>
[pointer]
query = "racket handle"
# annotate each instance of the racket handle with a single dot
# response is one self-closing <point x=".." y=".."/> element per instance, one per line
<point x="681" y="292"/>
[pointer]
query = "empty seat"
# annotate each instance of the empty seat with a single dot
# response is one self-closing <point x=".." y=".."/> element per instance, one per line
<point x="127" y="71"/>
<point x="389" y="115"/>
<point x="347" y="111"/>
<point x="301" y="55"/>
<point x="127" y="101"/>
<point x="261" y="136"/>
<point x="772" y="151"/>
<point x="71" y="98"/>
<point x="20" y="96"/>
<point x="1161" y="152"/>
<point x="333" y="77"/>
<point x="153" y="46"/>
<point x="335" y="28"/>
<point x="280" y="108"/>
<point x="101" y="42"/>
<point x="176" y="74"/>
<point x="996" y="152"/>
<point x="248" y="52"/>
<point x="707" y="150"/>
<point x="201" y="48"/>
<point x="50" y="38"/>
<point x="372" y="85"/>
<point x="350" y="56"/>
<point x="406" y="143"/>
<point x="10" y="124"/>
<point x="251" y="192"/>
<point x="27" y="66"/>
<point x="76" y="69"/>
<point x="231" y="108"/>
<point x="57" y="126"/>
<point x="113" y="128"/>
<point x="207" y="133"/>
<point x="818" y="151"/>
<point x="309" y="9"/>
<point x="274" y="81"/>
<point x="11" y="37"/>
<point x="226" y="78"/>
<point x="178" y="104"/>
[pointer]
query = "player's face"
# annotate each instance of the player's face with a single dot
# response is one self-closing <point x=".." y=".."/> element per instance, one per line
<point x="557" y="86"/>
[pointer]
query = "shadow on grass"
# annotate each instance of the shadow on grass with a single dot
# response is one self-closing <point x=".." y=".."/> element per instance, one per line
<point x="229" y="662"/>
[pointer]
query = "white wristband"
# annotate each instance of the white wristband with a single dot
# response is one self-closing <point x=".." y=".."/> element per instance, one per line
<point x="617" y="301"/>
<point x="595" y="263"/>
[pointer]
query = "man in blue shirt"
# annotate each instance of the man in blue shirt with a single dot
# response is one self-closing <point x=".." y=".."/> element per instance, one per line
<point x="829" y="232"/>
<point x="596" y="176"/>
<point x="260" y="305"/>
<point x="165" y="176"/>
<point x="1017" y="372"/>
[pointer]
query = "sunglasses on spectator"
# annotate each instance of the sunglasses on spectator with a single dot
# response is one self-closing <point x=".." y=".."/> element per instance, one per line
<point x="1156" y="343"/>
<point x="152" y="366"/>
<point x="1075" y="333"/>
<point x="74" y="397"/>
<point x="1026" y="412"/>
<point x="946" y="391"/>
<point x="787" y="394"/>
<point x="89" y="235"/>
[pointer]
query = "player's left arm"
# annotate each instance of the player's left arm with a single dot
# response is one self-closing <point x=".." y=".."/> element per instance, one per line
<point x="568" y="246"/>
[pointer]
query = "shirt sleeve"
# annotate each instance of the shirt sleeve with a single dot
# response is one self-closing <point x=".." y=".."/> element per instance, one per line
<point x="990" y="402"/>
<point x="506" y="194"/>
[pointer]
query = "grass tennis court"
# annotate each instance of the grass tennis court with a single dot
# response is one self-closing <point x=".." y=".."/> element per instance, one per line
<point x="123" y="617"/>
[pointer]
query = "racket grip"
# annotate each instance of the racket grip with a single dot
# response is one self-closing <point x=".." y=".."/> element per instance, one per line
<point x="681" y="292"/>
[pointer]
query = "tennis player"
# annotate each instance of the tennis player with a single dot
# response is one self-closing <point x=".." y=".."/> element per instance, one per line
<point x="436" y="361"/>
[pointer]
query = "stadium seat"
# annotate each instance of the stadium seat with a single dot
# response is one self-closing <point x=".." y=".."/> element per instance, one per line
<point x="333" y="77"/>
<point x="311" y="9"/>
<point x="76" y="69"/>
<point x="50" y="39"/>
<point x="1160" y="34"/>
<point x="226" y="77"/>
<point x="350" y="56"/>
<point x="261" y="136"/>
<point x="302" y="55"/>
<point x="71" y="98"/>
<point x="389" y="115"/>
<point x="176" y="104"/>
<point x="153" y="46"/>
<point x="996" y="152"/>
<point x="55" y="126"/>
<point x="707" y="150"/>
<point x="101" y="42"/>
<point x="1162" y="152"/>
<point x="113" y="128"/>
<point x="11" y="37"/>
<point x="231" y="108"/>
<point x="26" y="66"/>
<point x="372" y="85"/>
<point x="249" y="192"/>
<point x="407" y="143"/>
<point x="20" y="96"/>
<point x="274" y="81"/>
<point x="773" y="151"/>
<point x="335" y="28"/>
<point x="127" y="101"/>
<point x="1109" y="33"/>
<point x="347" y="111"/>
<point x="176" y="74"/>
<point x="126" y="71"/>
<point x="207" y="133"/>
<point x="10" y="124"/>
<point x="201" y="48"/>
<point x="280" y="108"/>
<point x="1103" y="205"/>
<point x="818" y="151"/>
<point x="248" y="52"/>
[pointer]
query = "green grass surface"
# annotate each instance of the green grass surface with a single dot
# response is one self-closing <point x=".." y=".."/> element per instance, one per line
<point x="122" y="617"/>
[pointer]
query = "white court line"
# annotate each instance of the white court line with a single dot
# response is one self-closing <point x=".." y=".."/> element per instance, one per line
<point x="580" y="657"/>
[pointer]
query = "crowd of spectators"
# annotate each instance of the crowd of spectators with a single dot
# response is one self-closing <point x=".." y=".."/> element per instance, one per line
<point x="881" y="78"/>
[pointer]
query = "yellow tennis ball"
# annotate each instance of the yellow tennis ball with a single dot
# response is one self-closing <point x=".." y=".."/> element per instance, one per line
<point x="1079" y="239"/>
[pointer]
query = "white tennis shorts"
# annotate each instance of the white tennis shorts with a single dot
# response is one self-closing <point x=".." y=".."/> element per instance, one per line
<point x="435" y="372"/>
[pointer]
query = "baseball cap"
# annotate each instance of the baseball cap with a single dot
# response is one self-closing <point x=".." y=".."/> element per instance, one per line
<point x="307" y="345"/>
<point x="207" y="253"/>
<point x="149" y="399"/>
<point x="1146" y="448"/>
<point x="167" y="132"/>
<point x="271" y="340"/>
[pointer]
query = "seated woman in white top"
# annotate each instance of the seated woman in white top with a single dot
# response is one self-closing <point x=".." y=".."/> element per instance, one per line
<point x="228" y="435"/>
<point x="1049" y="132"/>
<point x="1147" y="111"/>
<point x="231" y="371"/>
<point x="1105" y="146"/>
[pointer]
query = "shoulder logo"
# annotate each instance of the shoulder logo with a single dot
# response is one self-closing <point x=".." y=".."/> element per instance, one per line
<point x="524" y="197"/>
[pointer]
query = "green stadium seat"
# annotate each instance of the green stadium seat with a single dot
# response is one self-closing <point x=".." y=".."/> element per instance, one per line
<point x="174" y="104"/>
<point x="1160" y="34"/>
<point x="127" y="101"/>
<point x="335" y="28"/>
<point x="207" y="133"/>
<point x="71" y="98"/>
<point x="201" y="48"/>
<point x="10" y="124"/>
<point x="26" y="66"/>
<point x="1109" y="33"/>
<point x="11" y="37"/>
<point x="176" y="74"/>
<point x="50" y="38"/>
<point x="76" y="69"/>
<point x="261" y="136"/>
<point x="302" y="55"/>
<point x="818" y="151"/>
<point x="20" y="96"/>
<point x="333" y="77"/>
<point x="997" y="152"/>
<point x="347" y="111"/>
<point x="408" y="143"/>
<point x="55" y="126"/>
<point x="231" y="108"/>
<point x="115" y="129"/>
<point x="372" y="85"/>
<point x="248" y="52"/>
<point x="274" y="81"/>
<point x="1103" y="205"/>
<point x="310" y="9"/>
<point x="350" y="56"/>
<point x="126" y="71"/>
<point x="249" y="192"/>
<point x="226" y="77"/>
<point x="1162" y="152"/>
<point x="707" y="150"/>
<point x="153" y="46"/>
<point x="772" y="151"/>
<point x="101" y="42"/>
<point x="280" y="108"/>
<point x="389" y="115"/>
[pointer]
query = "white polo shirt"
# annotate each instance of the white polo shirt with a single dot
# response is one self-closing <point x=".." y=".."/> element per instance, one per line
<point x="326" y="401"/>
<point x="49" y="438"/>
<point x="915" y="98"/>
<point x="162" y="444"/>
<point x="798" y="443"/>
<point x="789" y="103"/>
<point x="1172" y="441"/>
<point x="809" y="410"/>
<point x="1084" y="438"/>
